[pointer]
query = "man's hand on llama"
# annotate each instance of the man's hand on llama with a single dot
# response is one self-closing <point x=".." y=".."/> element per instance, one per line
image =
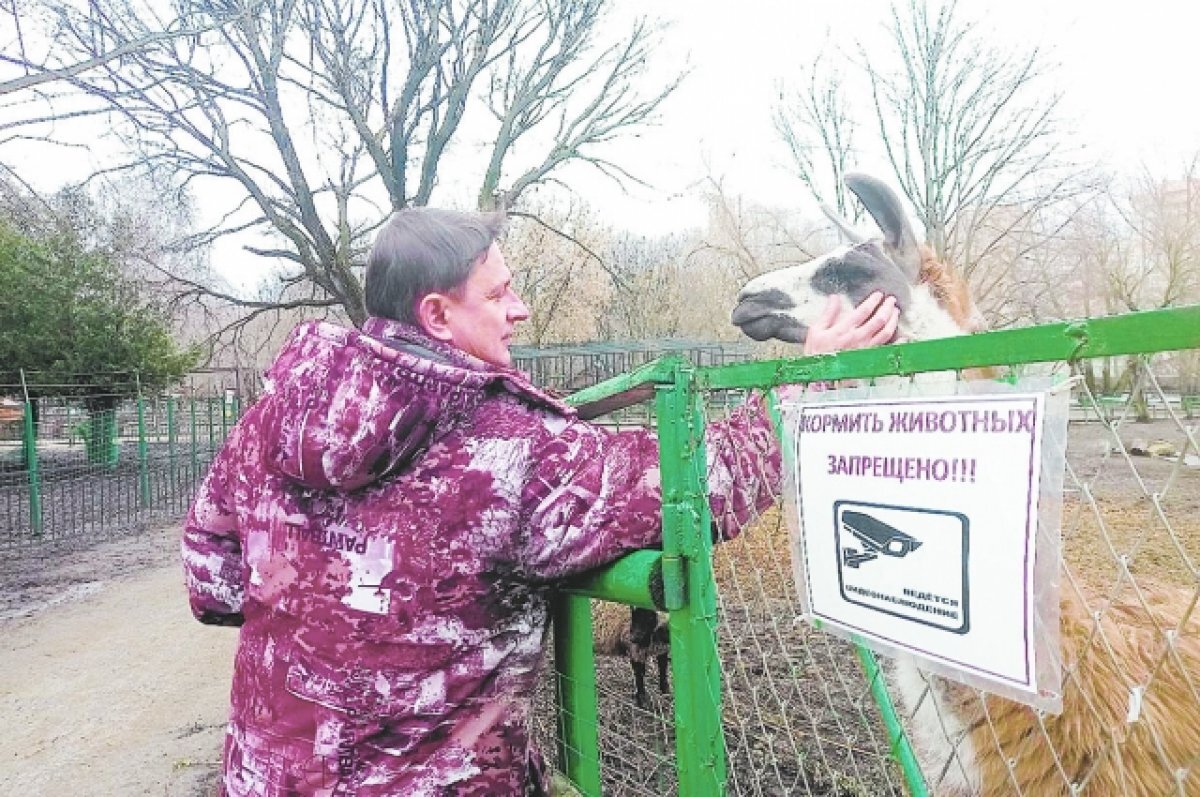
<point x="872" y="323"/>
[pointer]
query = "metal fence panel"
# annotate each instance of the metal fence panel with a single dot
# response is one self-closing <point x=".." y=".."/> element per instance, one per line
<point x="803" y="712"/>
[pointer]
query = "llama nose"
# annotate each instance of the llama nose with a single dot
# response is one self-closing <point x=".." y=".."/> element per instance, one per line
<point x="761" y="302"/>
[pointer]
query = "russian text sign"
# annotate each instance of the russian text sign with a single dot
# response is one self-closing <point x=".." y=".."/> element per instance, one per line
<point x="918" y="519"/>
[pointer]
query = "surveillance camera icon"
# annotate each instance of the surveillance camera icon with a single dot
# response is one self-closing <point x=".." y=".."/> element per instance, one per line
<point x="876" y="537"/>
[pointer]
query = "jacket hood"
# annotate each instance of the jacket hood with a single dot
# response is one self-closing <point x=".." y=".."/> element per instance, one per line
<point x="344" y="408"/>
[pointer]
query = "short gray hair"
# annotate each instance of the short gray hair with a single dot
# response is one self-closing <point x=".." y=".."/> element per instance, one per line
<point x="421" y="251"/>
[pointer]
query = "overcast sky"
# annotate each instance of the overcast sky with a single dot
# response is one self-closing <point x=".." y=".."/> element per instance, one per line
<point x="1128" y="73"/>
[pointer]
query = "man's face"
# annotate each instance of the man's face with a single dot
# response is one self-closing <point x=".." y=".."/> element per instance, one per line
<point x="481" y="314"/>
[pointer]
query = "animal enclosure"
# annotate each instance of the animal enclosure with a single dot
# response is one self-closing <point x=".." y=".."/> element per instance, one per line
<point x="75" y="468"/>
<point x="763" y="704"/>
<point x="572" y="368"/>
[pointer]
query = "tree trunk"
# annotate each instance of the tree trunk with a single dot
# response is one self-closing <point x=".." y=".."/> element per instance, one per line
<point x="100" y="438"/>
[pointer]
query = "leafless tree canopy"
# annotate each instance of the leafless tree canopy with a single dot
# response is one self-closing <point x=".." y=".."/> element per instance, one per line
<point x="971" y="131"/>
<point x="29" y="62"/>
<point x="317" y="118"/>
<point x="818" y="127"/>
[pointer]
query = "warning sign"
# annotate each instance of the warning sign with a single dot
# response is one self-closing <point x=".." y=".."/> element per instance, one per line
<point x="917" y="525"/>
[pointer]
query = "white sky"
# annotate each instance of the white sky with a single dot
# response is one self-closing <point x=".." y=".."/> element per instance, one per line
<point x="1128" y="71"/>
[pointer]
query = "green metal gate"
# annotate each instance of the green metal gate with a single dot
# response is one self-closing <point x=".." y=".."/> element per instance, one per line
<point x="680" y="579"/>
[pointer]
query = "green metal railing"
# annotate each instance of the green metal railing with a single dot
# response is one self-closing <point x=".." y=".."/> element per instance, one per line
<point x="680" y="580"/>
<point x="78" y="472"/>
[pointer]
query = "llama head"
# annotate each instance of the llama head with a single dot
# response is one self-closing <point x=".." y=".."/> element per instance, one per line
<point x="933" y="300"/>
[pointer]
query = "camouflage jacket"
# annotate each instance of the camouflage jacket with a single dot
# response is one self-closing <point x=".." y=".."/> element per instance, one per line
<point x="385" y="524"/>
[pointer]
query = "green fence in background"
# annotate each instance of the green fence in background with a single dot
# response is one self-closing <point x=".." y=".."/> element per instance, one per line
<point x="86" y="466"/>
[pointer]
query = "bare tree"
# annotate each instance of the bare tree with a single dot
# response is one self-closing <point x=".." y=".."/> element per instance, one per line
<point x="818" y="128"/>
<point x="650" y="299"/>
<point x="1162" y="266"/>
<point x="32" y="61"/>
<point x="558" y="273"/>
<point x="316" y="118"/>
<point x="971" y="132"/>
<point x="751" y="239"/>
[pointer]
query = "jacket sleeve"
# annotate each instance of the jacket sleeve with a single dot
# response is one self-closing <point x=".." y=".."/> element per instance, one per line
<point x="595" y="494"/>
<point x="212" y="550"/>
<point x="744" y="466"/>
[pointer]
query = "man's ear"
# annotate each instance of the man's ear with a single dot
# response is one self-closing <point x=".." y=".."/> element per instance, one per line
<point x="432" y="316"/>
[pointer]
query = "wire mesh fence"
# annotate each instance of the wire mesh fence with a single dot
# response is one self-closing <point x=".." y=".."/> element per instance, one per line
<point x="797" y="716"/>
<point x="1130" y="629"/>
<point x="87" y="464"/>
<point x="803" y="712"/>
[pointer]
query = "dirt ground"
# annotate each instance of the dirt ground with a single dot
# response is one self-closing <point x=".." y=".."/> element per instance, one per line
<point x="108" y="687"/>
<point x="107" y="684"/>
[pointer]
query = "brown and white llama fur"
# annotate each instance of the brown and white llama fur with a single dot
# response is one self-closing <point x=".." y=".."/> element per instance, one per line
<point x="970" y="743"/>
<point x="1113" y="653"/>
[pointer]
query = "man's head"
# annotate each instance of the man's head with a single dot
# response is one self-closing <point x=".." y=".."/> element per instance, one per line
<point x="442" y="271"/>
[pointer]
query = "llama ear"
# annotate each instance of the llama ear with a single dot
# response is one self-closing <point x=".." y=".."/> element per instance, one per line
<point x="845" y="228"/>
<point x="881" y="202"/>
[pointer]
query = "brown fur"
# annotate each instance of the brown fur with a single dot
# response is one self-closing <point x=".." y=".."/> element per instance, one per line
<point x="950" y="290"/>
<point x="953" y="294"/>
<point x="1091" y="743"/>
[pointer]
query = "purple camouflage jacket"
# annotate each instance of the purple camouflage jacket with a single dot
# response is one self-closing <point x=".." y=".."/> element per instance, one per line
<point x="386" y="524"/>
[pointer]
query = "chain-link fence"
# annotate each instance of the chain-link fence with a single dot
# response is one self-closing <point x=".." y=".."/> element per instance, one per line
<point x="784" y="708"/>
<point x="79" y="464"/>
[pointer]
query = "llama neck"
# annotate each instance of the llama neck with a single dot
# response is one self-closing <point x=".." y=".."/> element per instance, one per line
<point x="926" y="319"/>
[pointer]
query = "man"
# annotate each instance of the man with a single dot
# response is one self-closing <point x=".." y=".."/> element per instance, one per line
<point x="386" y="522"/>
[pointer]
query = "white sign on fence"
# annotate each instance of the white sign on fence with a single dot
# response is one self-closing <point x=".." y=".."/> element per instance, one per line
<point x="918" y="520"/>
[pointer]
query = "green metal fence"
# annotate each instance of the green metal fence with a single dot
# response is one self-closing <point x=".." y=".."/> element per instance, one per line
<point x="578" y="366"/>
<point x="763" y="704"/>
<point x="81" y="467"/>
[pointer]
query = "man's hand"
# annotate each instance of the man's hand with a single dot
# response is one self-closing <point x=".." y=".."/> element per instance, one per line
<point x="872" y="323"/>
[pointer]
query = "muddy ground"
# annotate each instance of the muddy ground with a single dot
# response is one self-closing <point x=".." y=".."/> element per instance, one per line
<point x="108" y="687"/>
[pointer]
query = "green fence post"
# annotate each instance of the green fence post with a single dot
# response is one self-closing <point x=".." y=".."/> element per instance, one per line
<point x="212" y="431"/>
<point x="195" y="453"/>
<point x="29" y="441"/>
<point x="575" y="685"/>
<point x="224" y="415"/>
<point x="687" y="563"/>
<point x="898" y="744"/>
<point x="173" y="463"/>
<point x="143" y="453"/>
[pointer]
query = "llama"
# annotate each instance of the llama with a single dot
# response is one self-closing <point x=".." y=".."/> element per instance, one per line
<point x="637" y="635"/>
<point x="1111" y="650"/>
<point x="1129" y="723"/>
<point x="934" y="301"/>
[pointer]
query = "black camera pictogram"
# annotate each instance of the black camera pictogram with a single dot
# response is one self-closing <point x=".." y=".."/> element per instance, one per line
<point x="876" y="537"/>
